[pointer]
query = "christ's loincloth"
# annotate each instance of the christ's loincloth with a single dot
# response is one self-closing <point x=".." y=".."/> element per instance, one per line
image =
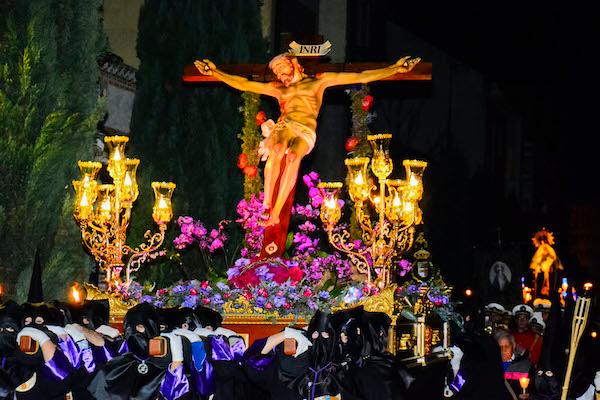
<point x="299" y="130"/>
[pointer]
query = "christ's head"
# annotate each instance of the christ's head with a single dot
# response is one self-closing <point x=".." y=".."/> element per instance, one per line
<point x="287" y="69"/>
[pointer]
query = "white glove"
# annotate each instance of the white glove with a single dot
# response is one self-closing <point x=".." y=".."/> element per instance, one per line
<point x="108" y="331"/>
<point x="175" y="345"/>
<point x="33" y="333"/>
<point x="457" y="355"/>
<point x="224" y="332"/>
<point x="76" y="332"/>
<point x="58" y="331"/>
<point x="597" y="381"/>
<point x="203" y="332"/>
<point x="302" y="342"/>
<point x="191" y="336"/>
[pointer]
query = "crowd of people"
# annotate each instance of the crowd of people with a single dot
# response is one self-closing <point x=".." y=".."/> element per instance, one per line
<point x="58" y="351"/>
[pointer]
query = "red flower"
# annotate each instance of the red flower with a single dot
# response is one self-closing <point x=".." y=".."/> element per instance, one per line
<point x="262" y="292"/>
<point x="268" y="306"/>
<point x="367" y="102"/>
<point x="162" y="291"/>
<point x="287" y="305"/>
<point x="261" y="117"/>
<point x="193" y="292"/>
<point x="296" y="274"/>
<point x="351" y="143"/>
<point x="307" y="292"/>
<point x="251" y="171"/>
<point x="242" y="161"/>
<point x="206" y="300"/>
<point x="204" y="284"/>
<point x="226" y="295"/>
<point x="248" y="295"/>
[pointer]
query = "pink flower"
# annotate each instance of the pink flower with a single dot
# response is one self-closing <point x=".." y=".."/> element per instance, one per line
<point x="248" y="295"/>
<point x="216" y="244"/>
<point x="214" y="233"/>
<point x="205" y="300"/>
<point x="313" y="175"/>
<point x="193" y="292"/>
<point x="187" y="229"/>
<point x="286" y="305"/>
<point x="226" y="295"/>
<point x="307" y="292"/>
<point x="204" y="284"/>
<point x="185" y="220"/>
<point x="279" y="293"/>
<point x="199" y="231"/>
<point x="268" y="306"/>
<point x="308" y="181"/>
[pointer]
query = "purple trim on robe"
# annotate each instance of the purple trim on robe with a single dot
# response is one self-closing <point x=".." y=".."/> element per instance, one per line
<point x="221" y="350"/>
<point x="238" y="349"/>
<point x="254" y="357"/>
<point x="70" y="350"/>
<point x="87" y="356"/>
<point x="124" y="348"/>
<point x="58" y="367"/>
<point x="204" y="379"/>
<point x="174" y="384"/>
<point x="3" y="362"/>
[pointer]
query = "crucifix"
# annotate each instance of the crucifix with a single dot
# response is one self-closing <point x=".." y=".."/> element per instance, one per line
<point x="299" y="92"/>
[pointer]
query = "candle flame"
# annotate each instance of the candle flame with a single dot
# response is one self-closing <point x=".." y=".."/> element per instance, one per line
<point x="162" y="204"/>
<point x="84" y="200"/>
<point x="75" y="293"/>
<point x="127" y="181"/>
<point x="359" y="180"/>
<point x="413" y="180"/>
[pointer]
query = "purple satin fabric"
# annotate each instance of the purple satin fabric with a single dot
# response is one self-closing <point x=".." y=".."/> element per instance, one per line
<point x="70" y="350"/>
<point x="59" y="367"/>
<point x="457" y="383"/>
<point x="87" y="356"/>
<point x="203" y="379"/>
<point x="221" y="350"/>
<point x="254" y="357"/>
<point x="174" y="384"/>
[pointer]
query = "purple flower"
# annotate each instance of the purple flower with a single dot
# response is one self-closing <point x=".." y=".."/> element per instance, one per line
<point x="146" y="299"/>
<point x="279" y="301"/>
<point x="217" y="299"/>
<point x="222" y="286"/>
<point x="178" y="289"/>
<point x="313" y="175"/>
<point x="260" y="301"/>
<point x="214" y="233"/>
<point x="404" y="266"/>
<point x="412" y="289"/>
<point x="307" y="227"/>
<point x="190" y="301"/>
<point x="312" y="305"/>
<point x="233" y="272"/>
<point x="159" y="303"/>
<point x="324" y="294"/>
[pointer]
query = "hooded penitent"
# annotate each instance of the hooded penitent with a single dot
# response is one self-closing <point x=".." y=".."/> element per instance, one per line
<point x="10" y="325"/>
<point x="349" y="338"/>
<point x="93" y="314"/>
<point x="319" y="377"/>
<point x="208" y="317"/>
<point x="140" y="325"/>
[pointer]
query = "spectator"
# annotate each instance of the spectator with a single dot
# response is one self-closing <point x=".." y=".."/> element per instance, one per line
<point x="516" y="364"/>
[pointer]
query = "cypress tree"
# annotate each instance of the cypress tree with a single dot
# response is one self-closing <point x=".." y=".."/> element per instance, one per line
<point x="49" y="108"/>
<point x="184" y="134"/>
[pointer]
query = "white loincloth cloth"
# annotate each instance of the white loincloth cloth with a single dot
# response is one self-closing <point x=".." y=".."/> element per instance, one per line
<point x="300" y="131"/>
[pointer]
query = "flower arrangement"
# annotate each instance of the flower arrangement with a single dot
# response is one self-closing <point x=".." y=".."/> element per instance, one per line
<point x="306" y="279"/>
<point x="361" y="105"/>
<point x="250" y="136"/>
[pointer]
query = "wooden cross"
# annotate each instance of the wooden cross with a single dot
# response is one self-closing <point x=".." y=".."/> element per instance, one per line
<point x="275" y="236"/>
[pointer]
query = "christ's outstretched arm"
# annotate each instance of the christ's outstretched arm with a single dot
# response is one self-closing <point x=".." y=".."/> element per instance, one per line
<point x="405" y="64"/>
<point x="207" y="67"/>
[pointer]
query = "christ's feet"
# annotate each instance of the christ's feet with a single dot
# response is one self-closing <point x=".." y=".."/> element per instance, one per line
<point x="272" y="221"/>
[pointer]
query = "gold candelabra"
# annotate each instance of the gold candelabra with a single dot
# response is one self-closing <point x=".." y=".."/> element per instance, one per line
<point x="394" y="202"/>
<point x="103" y="212"/>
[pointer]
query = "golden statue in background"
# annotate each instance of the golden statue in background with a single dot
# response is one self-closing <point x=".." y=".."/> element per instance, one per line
<point x="544" y="263"/>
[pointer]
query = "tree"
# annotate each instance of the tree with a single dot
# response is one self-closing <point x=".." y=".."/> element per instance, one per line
<point x="184" y="134"/>
<point x="49" y="109"/>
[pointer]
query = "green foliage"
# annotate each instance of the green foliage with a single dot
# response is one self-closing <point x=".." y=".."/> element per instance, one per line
<point x="188" y="134"/>
<point x="251" y="138"/>
<point x="48" y="112"/>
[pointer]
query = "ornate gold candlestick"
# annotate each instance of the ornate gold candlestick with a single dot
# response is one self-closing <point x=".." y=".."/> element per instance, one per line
<point x="103" y="212"/>
<point x="395" y="203"/>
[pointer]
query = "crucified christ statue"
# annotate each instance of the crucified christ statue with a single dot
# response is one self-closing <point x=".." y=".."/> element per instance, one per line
<point x="300" y="98"/>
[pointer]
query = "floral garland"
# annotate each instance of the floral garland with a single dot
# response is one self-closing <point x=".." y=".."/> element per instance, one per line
<point x="361" y="104"/>
<point x="248" y="160"/>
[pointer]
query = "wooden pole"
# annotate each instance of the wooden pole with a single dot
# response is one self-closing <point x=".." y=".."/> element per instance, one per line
<point x="580" y="317"/>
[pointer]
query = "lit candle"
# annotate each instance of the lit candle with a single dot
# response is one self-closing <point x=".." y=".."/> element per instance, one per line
<point x="524" y="382"/>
